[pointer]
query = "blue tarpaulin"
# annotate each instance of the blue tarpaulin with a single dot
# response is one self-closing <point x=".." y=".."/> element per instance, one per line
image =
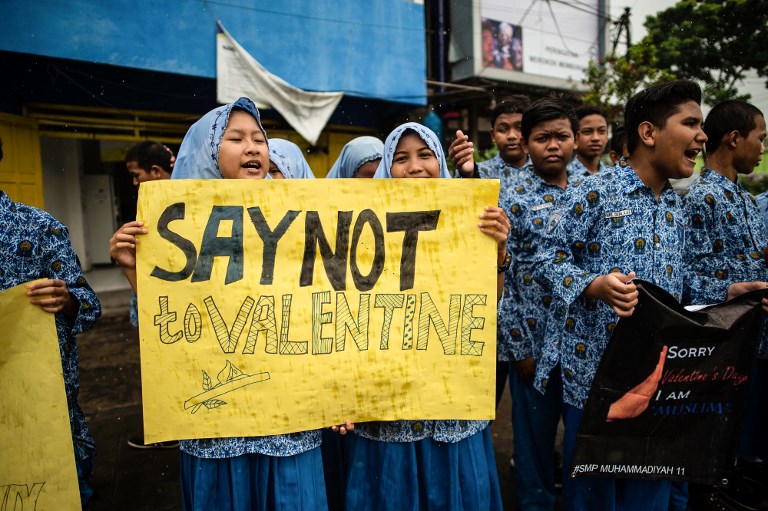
<point x="369" y="49"/>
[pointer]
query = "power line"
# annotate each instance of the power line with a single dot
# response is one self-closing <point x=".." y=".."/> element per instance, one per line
<point x="525" y="14"/>
<point x="597" y="13"/>
<point x="308" y="17"/>
<point x="562" y="38"/>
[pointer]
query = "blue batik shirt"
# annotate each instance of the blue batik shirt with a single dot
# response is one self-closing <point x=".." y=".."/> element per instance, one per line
<point x="34" y="245"/>
<point x="726" y="239"/>
<point x="577" y="169"/>
<point x="497" y="168"/>
<point x="610" y="222"/>
<point x="524" y="306"/>
<point x="133" y="310"/>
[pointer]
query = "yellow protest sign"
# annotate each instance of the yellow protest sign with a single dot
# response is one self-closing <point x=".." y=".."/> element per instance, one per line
<point x="38" y="461"/>
<point x="276" y="306"/>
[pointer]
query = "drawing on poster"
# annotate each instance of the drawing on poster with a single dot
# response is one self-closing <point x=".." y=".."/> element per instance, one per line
<point x="229" y="379"/>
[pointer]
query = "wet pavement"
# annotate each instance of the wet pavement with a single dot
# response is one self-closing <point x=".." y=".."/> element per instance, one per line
<point x="124" y="478"/>
<point x="132" y="479"/>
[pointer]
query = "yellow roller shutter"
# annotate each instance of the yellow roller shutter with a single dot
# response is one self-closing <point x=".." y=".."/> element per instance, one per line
<point x="21" y="175"/>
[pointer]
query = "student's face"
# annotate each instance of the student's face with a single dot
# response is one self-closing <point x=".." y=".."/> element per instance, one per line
<point x="367" y="169"/>
<point x="592" y="136"/>
<point x="550" y="146"/>
<point x="679" y="142"/>
<point x="138" y="174"/>
<point x="413" y="158"/>
<point x="507" y="137"/>
<point x="274" y="171"/>
<point x="750" y="149"/>
<point x="243" y="153"/>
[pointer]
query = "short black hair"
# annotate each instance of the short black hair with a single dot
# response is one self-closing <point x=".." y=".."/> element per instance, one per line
<point x="618" y="139"/>
<point x="726" y="117"/>
<point x="656" y="104"/>
<point x="149" y="153"/>
<point x="510" y="105"/>
<point x="586" y="110"/>
<point x="548" y="109"/>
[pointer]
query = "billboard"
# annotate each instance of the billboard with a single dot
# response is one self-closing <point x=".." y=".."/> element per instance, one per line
<point x="537" y="42"/>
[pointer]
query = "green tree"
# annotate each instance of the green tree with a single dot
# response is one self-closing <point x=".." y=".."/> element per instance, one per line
<point x="612" y="81"/>
<point x="713" y="41"/>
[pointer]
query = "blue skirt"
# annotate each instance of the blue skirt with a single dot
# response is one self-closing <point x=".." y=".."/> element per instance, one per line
<point x="253" y="482"/>
<point x="423" y="475"/>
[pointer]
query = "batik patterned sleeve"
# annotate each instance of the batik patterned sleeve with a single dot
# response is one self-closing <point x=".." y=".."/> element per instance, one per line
<point x="62" y="263"/>
<point x="568" y="229"/>
<point x="703" y="250"/>
<point x="515" y="336"/>
<point x="510" y="334"/>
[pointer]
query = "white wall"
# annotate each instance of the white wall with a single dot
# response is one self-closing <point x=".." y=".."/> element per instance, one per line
<point x="62" y="168"/>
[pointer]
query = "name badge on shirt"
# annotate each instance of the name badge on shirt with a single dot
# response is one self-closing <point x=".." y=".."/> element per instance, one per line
<point x="554" y="219"/>
<point x="539" y="207"/>
<point x="618" y="214"/>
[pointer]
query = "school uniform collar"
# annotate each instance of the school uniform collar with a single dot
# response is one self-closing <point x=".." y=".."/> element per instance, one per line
<point x="719" y="179"/>
<point x="527" y="172"/>
<point x="498" y="161"/>
<point x="630" y="183"/>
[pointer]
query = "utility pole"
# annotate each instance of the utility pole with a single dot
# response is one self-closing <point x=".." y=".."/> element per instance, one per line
<point x="622" y="25"/>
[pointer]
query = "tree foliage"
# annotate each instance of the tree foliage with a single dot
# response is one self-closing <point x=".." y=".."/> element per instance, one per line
<point x="612" y="81"/>
<point x="714" y="42"/>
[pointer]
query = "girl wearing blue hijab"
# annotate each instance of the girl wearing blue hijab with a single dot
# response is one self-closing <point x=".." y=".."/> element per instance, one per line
<point x="286" y="161"/>
<point x="279" y="472"/>
<point x="359" y="158"/>
<point x="425" y="464"/>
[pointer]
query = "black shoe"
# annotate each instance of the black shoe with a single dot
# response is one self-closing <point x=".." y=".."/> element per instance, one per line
<point x="138" y="443"/>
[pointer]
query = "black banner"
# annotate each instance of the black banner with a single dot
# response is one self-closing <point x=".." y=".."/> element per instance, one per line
<point x="670" y="392"/>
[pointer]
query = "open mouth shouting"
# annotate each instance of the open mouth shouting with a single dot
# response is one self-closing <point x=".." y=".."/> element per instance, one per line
<point x="252" y="166"/>
<point x="691" y="155"/>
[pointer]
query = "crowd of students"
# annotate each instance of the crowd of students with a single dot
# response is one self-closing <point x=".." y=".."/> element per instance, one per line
<point x="571" y="232"/>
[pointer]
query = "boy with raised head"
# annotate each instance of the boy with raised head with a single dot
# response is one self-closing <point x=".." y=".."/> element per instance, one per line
<point x="590" y="142"/>
<point x="505" y="132"/>
<point x="548" y="134"/>
<point x="610" y="229"/>
<point x="726" y="231"/>
<point x="727" y="235"/>
<point x="148" y="161"/>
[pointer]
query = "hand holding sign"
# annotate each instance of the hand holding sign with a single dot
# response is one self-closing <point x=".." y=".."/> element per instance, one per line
<point x="122" y="248"/>
<point x="343" y="429"/>
<point x="52" y="295"/>
<point x="739" y="288"/>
